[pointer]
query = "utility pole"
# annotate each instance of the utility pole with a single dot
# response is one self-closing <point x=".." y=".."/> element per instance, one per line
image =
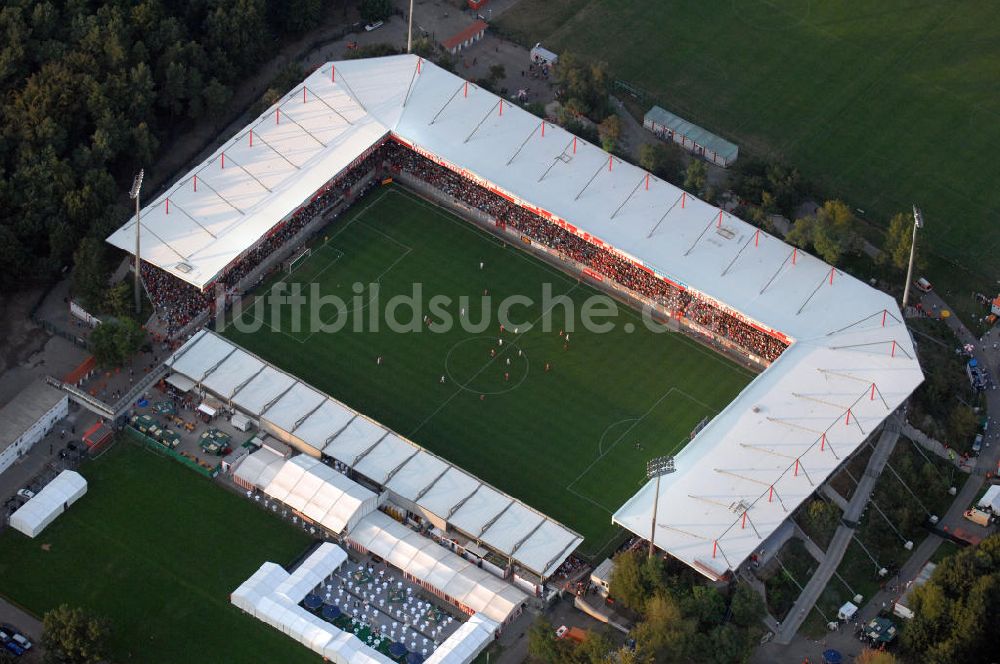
<point x="409" y="31"/>
<point x="134" y="195"/>
<point x="657" y="467"/>
<point x="918" y="222"/>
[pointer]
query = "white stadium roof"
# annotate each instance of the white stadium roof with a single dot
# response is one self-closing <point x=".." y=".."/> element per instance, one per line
<point x="769" y="449"/>
<point x="384" y="457"/>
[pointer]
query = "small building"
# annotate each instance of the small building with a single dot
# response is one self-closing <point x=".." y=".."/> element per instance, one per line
<point x="28" y="418"/>
<point x="465" y="38"/>
<point x="54" y="499"/>
<point x="690" y="136"/>
<point x="543" y="56"/>
<point x="601" y="577"/>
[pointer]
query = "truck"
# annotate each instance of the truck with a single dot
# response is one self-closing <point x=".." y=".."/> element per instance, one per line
<point x="571" y="633"/>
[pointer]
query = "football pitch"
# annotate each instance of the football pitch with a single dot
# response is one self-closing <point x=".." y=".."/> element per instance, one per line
<point x="566" y="426"/>
<point x="156" y="549"/>
<point x="883" y="104"/>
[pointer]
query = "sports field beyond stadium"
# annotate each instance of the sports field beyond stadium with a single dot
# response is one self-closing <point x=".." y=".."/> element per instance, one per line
<point x="882" y="104"/>
<point x="156" y="549"/>
<point x="571" y="441"/>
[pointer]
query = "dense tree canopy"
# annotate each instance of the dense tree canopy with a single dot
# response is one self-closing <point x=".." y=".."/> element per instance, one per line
<point x="955" y="612"/>
<point x="71" y="636"/>
<point x="831" y="232"/>
<point x="89" y="92"/>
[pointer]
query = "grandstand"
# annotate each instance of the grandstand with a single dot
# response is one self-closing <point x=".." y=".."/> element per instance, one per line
<point x="839" y="357"/>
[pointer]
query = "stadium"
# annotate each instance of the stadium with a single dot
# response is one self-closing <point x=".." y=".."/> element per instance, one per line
<point x="834" y="356"/>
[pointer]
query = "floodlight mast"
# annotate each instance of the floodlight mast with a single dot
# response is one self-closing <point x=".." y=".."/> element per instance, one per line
<point x="134" y="195"/>
<point x="657" y="467"/>
<point x="409" y="31"/>
<point x="918" y="222"/>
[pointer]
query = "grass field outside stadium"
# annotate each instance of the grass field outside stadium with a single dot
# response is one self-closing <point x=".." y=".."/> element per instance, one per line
<point x="571" y="441"/>
<point x="156" y="549"/>
<point x="882" y="104"/>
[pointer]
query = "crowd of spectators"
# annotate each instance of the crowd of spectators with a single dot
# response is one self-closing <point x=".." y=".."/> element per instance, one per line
<point x="177" y="303"/>
<point x="679" y="302"/>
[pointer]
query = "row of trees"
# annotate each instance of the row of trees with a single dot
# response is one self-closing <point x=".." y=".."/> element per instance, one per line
<point x="89" y="93"/>
<point x="679" y="619"/>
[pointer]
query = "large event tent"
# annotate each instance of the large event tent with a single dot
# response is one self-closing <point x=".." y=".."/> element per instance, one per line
<point x="272" y="595"/>
<point x="41" y="510"/>
<point x="315" y="423"/>
<point x="850" y="365"/>
<point x="437" y="567"/>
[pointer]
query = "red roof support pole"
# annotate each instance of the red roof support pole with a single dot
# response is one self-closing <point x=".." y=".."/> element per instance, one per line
<point x="715" y="547"/>
<point x="847" y="420"/>
<point x="543" y="128"/>
<point x="574" y="145"/>
<point x="277" y="116"/>
<point x="419" y="61"/>
<point x="610" y="160"/>
<point x="893" y="353"/>
<point x="196" y="183"/>
<point x="647" y="181"/>
<point x="756" y="238"/>
<point x="684" y="196"/>
<point x="873" y="392"/>
<point x="466" y="89"/>
<point x="168" y="206"/>
<point x="770" y="495"/>
<point x="719" y="224"/>
<point x="796" y="468"/>
<point x="303" y="95"/>
<point x="744" y="524"/>
<point x="795" y="253"/>
<point x="223" y="159"/>
<point x="884" y="313"/>
<point x="333" y="74"/>
<point x="251" y="138"/>
<point x="831" y="275"/>
<point x="822" y="442"/>
<point x="501" y="107"/>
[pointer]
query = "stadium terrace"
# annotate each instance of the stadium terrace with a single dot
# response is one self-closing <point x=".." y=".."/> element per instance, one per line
<point x="838" y="357"/>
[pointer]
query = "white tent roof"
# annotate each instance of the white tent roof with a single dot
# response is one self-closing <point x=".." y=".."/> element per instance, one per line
<point x="433" y="564"/>
<point x="991" y="499"/>
<point x="847" y="336"/>
<point x="294" y="405"/>
<point x="354" y="440"/>
<point x="466" y="642"/>
<point x="418" y="473"/>
<point x="479" y="510"/>
<point x="259" y="468"/>
<point x="235" y="371"/>
<point x="320" y="564"/>
<point x="41" y="510"/>
<point x="181" y="382"/>
<point x="320" y="426"/>
<point x="320" y="493"/>
<point x="382" y="460"/>
<point x="448" y="491"/>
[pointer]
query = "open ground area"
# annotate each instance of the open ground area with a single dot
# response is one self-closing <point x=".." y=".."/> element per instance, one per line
<point x="904" y="107"/>
<point x="572" y="441"/>
<point x="156" y="550"/>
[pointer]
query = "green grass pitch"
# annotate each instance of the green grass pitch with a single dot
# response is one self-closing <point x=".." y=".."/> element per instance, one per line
<point x="882" y="104"/>
<point x="571" y="442"/>
<point x="156" y="549"/>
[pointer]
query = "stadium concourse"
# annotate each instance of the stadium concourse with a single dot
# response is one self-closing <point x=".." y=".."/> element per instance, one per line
<point x="839" y="357"/>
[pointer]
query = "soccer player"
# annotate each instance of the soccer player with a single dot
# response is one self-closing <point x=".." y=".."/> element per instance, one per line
<point x="493" y="352"/>
<point x="508" y="361"/>
<point x="442" y="379"/>
<point x="480" y="265"/>
<point x="506" y="375"/>
<point x="378" y="360"/>
<point x="547" y="367"/>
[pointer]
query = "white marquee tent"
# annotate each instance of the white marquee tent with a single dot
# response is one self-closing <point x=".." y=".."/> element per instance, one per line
<point x="258" y="469"/>
<point x="437" y="567"/>
<point x="851" y="363"/>
<point x="466" y="643"/>
<point x="42" y="509"/>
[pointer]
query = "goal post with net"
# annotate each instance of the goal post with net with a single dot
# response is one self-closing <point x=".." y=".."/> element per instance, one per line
<point x="297" y="259"/>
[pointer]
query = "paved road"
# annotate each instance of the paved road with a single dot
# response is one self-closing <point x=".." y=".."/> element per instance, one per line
<point x="842" y="537"/>
<point x="29" y="625"/>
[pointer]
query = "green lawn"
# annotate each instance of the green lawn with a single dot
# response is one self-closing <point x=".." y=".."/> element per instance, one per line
<point x="156" y="549"/>
<point x="882" y="103"/>
<point x="571" y="442"/>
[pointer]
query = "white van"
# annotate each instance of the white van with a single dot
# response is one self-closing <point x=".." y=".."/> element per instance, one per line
<point x="923" y="285"/>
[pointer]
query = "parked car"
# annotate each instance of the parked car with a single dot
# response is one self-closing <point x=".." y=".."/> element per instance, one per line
<point x="977" y="444"/>
<point x="10" y="644"/>
<point x="16" y="636"/>
<point x="374" y="26"/>
<point x="27" y="494"/>
<point x="923" y="285"/>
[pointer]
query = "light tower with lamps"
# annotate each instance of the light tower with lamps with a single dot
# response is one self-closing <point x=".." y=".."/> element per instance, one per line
<point x="918" y="222"/>
<point x="657" y="467"/>
<point x="134" y="195"/>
